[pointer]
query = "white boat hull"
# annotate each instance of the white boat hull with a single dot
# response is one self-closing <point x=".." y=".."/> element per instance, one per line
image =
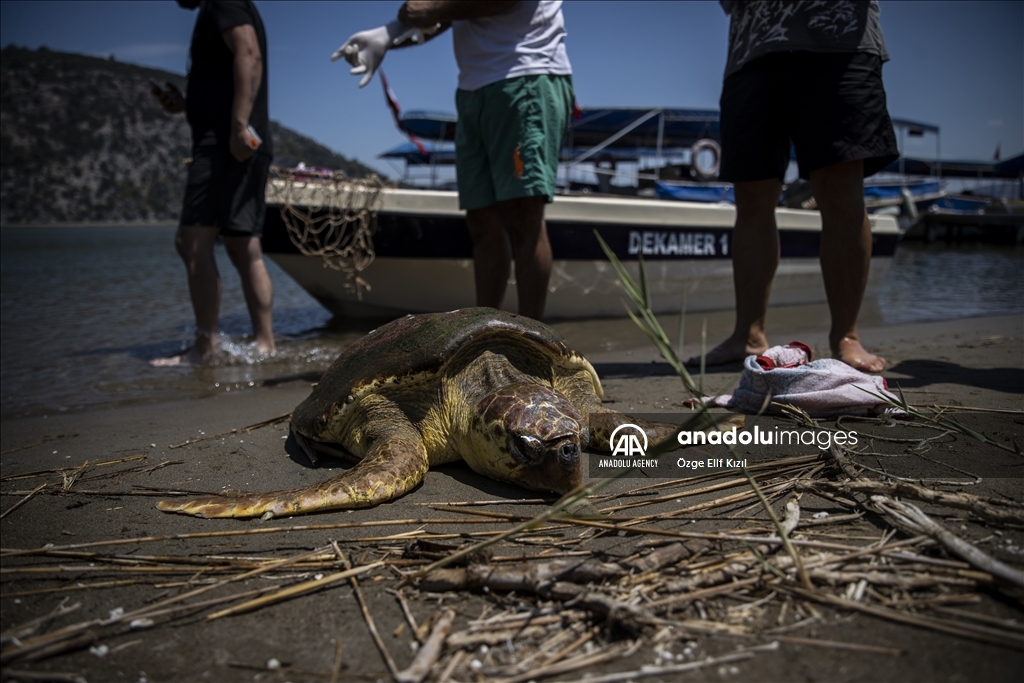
<point x="582" y="285"/>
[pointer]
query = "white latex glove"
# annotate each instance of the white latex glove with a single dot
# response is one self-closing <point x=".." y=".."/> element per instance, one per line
<point x="365" y="50"/>
<point x="416" y="36"/>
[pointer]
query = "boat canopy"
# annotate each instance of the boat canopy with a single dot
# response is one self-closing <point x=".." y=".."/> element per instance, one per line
<point x="679" y="128"/>
<point x="1010" y="168"/>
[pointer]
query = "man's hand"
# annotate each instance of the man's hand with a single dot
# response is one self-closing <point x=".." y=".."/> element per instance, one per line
<point x="365" y="50"/>
<point x="240" y="143"/>
<point x="170" y="97"/>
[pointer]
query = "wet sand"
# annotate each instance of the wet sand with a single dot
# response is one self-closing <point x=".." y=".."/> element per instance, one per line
<point x="977" y="363"/>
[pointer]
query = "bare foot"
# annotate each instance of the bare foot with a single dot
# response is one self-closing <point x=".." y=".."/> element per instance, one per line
<point x="732" y="350"/>
<point x="853" y="354"/>
<point x="190" y="357"/>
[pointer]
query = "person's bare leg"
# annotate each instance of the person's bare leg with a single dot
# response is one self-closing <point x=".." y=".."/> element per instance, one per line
<point x="195" y="246"/>
<point x="755" y="256"/>
<point x="492" y="255"/>
<point x="247" y="256"/>
<point x="523" y="218"/>
<point x="845" y="257"/>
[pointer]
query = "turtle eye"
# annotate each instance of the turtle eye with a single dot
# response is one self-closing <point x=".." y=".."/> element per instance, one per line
<point x="528" y="450"/>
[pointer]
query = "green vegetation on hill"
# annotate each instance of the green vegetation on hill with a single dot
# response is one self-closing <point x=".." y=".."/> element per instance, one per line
<point x="82" y="139"/>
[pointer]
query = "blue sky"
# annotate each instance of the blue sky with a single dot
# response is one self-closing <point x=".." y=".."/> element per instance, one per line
<point x="959" y="65"/>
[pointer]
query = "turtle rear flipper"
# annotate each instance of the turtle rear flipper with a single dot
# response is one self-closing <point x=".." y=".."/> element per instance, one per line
<point x="395" y="463"/>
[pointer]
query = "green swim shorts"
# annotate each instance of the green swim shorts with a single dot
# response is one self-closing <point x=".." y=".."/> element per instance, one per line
<point x="509" y="137"/>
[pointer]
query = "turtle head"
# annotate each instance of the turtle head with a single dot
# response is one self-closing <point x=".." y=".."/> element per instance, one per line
<point x="530" y="435"/>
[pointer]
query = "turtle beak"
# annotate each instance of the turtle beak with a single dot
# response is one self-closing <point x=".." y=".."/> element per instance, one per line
<point x="531" y="451"/>
<point x="553" y="465"/>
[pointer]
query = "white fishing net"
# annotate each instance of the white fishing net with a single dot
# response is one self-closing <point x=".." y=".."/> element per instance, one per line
<point x="330" y="215"/>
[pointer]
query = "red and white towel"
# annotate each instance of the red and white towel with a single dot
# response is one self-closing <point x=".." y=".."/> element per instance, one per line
<point x="821" y="388"/>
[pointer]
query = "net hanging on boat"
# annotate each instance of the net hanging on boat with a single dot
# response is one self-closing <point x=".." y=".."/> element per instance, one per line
<point x="330" y="215"/>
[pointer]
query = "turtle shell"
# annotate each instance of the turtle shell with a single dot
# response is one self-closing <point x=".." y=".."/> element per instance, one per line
<point x="411" y="346"/>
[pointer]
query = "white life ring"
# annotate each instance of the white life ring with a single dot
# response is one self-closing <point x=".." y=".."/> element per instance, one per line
<point x="706" y="145"/>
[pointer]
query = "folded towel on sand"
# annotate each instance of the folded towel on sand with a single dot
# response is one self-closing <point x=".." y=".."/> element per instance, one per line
<point x="820" y="388"/>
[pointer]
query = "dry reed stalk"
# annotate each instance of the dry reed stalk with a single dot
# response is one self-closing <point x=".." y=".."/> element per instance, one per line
<point x="963" y="630"/>
<point x="428" y="655"/>
<point x="649" y="671"/>
<point x="509" y="501"/>
<point x="22" y="501"/>
<point x="543" y="651"/>
<point x="912" y="518"/>
<point x="77" y="587"/>
<point x="616" y="651"/>
<point x="73" y="631"/>
<point x="16" y="552"/>
<point x="453" y="663"/>
<point x="392" y="667"/>
<point x="586" y="637"/>
<point x="293" y="591"/>
<point x="58" y="470"/>
<point x="414" y="628"/>
<point x="801" y="572"/>
<point x="838" y="645"/>
<point x="100" y="492"/>
<point x="731" y="483"/>
<point x="1009" y="624"/>
<point x="989" y="509"/>
<point x="47" y="676"/>
<point x="336" y="669"/>
<point x="238" y="430"/>
<point x="704" y="593"/>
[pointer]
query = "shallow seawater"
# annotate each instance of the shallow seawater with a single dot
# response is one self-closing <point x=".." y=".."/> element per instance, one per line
<point x="943" y="282"/>
<point x="84" y="309"/>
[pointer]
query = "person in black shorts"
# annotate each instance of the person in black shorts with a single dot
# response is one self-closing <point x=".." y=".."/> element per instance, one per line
<point x="225" y="191"/>
<point x="810" y="76"/>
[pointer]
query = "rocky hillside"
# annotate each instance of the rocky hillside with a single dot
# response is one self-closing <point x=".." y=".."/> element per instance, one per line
<point x="82" y="139"/>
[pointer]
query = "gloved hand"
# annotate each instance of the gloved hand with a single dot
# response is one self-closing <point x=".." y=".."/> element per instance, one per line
<point x="365" y="50"/>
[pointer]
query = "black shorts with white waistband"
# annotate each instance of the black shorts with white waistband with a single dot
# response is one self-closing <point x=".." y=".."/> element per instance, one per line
<point x="225" y="193"/>
<point x="829" y="107"/>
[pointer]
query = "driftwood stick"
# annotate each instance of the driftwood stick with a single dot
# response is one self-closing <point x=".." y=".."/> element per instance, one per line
<point x="910" y="517"/>
<point x="428" y="655"/>
<point x="544" y="580"/>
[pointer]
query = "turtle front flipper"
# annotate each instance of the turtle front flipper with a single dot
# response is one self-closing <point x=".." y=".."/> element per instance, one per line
<point x="394" y="464"/>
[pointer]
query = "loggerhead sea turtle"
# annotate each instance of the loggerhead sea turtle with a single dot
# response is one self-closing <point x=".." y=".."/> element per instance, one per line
<point x="503" y="392"/>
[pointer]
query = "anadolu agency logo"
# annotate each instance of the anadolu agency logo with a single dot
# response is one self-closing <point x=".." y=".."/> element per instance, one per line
<point x="628" y="444"/>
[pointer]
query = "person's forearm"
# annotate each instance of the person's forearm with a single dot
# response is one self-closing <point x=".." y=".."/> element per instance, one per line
<point x="248" y="76"/>
<point x="248" y="73"/>
<point x="428" y="13"/>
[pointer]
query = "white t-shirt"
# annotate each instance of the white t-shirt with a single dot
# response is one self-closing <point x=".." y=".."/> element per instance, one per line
<point x="526" y="39"/>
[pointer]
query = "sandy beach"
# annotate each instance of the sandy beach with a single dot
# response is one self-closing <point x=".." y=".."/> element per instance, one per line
<point x="968" y="365"/>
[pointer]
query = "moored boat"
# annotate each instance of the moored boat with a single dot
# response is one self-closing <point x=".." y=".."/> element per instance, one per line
<point x="422" y="255"/>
